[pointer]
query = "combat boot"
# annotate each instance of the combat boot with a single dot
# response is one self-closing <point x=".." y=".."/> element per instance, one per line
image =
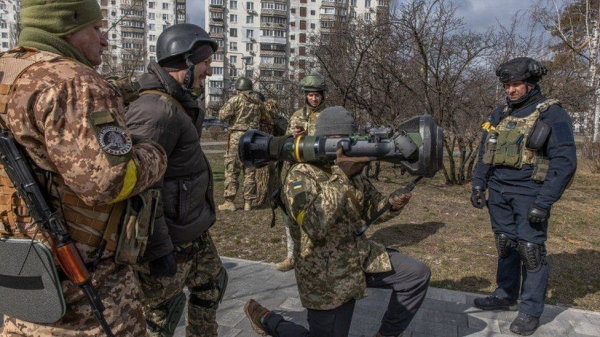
<point x="227" y="206"/>
<point x="285" y="265"/>
<point x="524" y="324"/>
<point x="247" y="206"/>
<point x="254" y="311"/>
<point x="494" y="303"/>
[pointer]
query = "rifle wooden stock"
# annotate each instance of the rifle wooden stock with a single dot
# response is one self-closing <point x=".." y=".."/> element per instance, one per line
<point x="71" y="263"/>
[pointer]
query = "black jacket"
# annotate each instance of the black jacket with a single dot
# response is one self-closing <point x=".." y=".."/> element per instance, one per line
<point x="559" y="148"/>
<point x="187" y="186"/>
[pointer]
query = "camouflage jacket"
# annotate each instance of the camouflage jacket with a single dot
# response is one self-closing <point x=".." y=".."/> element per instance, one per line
<point x="307" y="119"/>
<point x="71" y="122"/>
<point x="243" y="111"/>
<point x="331" y="261"/>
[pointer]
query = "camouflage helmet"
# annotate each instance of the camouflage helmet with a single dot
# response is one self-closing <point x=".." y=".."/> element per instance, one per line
<point x="314" y="82"/>
<point x="521" y="69"/>
<point x="180" y="39"/>
<point x="243" y="84"/>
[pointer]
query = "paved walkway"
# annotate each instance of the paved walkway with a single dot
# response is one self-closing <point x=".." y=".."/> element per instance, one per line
<point x="444" y="313"/>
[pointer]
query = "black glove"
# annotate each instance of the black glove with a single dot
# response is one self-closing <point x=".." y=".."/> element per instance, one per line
<point x="164" y="266"/>
<point x="478" y="197"/>
<point x="537" y="214"/>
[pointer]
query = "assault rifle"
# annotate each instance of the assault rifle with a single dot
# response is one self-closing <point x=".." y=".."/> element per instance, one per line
<point x="49" y="221"/>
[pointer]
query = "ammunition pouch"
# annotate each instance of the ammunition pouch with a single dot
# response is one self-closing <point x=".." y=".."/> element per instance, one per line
<point x="137" y="226"/>
<point x="214" y="291"/>
<point x="490" y="147"/>
<point x="532" y="255"/>
<point x="29" y="282"/>
<point x="538" y="135"/>
<point x="540" y="169"/>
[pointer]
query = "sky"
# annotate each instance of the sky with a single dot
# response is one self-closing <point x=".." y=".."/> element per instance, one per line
<point x="478" y="14"/>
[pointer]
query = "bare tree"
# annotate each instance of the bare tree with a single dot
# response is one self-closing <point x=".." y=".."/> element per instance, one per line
<point x="420" y="60"/>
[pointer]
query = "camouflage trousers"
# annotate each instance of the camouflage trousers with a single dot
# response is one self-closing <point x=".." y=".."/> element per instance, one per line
<point x="120" y="294"/>
<point x="198" y="268"/>
<point x="233" y="167"/>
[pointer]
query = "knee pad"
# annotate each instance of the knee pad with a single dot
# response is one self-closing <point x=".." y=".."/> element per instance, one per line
<point x="219" y="283"/>
<point x="174" y="308"/>
<point x="503" y="244"/>
<point x="532" y="255"/>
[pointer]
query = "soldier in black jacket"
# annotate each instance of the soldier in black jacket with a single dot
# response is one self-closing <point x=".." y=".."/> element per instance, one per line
<point x="526" y="160"/>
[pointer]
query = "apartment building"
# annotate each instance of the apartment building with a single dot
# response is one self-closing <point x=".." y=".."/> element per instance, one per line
<point x="132" y="28"/>
<point x="9" y="16"/>
<point x="267" y="40"/>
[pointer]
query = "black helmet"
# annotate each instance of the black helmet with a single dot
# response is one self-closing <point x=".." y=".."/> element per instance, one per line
<point x="180" y="39"/>
<point x="314" y="82"/>
<point x="243" y="83"/>
<point x="521" y="69"/>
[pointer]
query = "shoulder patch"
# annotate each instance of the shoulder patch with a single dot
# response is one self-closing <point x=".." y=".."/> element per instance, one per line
<point x="113" y="140"/>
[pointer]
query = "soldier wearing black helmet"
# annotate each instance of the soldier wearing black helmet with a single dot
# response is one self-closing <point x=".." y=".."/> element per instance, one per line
<point x="526" y="161"/>
<point x="167" y="112"/>
<point x="242" y="112"/>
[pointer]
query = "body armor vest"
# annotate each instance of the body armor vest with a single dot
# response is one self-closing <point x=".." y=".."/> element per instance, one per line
<point x="505" y="144"/>
<point x="86" y="224"/>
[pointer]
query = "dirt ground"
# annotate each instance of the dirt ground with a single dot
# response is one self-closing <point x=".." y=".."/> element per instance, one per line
<point x="440" y="227"/>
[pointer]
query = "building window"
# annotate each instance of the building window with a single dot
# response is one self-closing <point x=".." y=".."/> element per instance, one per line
<point x="367" y="16"/>
<point x="249" y="19"/>
<point x="367" y="3"/>
<point x="232" y="59"/>
<point x="312" y="12"/>
<point x="302" y="38"/>
<point x="302" y="12"/>
<point x="302" y="24"/>
<point x="249" y="5"/>
<point x="165" y="5"/>
<point x="151" y="26"/>
<point x="152" y="37"/>
<point x="249" y="46"/>
<point x="353" y="3"/>
<point x="153" y="49"/>
<point x="151" y="4"/>
<point x="233" y="46"/>
<point x="233" y="32"/>
<point x="293" y="10"/>
<point x="250" y="33"/>
<point x="152" y="58"/>
<point x="233" y="4"/>
<point x="166" y="17"/>
<point x="217" y="70"/>
<point x="233" y="18"/>
<point x="312" y="26"/>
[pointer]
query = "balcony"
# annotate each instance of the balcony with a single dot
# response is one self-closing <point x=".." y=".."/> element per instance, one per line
<point x="274" y="12"/>
<point x="273" y="25"/>
<point x="217" y="35"/>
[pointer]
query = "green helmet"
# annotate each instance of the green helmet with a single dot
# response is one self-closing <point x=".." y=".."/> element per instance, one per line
<point x="243" y="84"/>
<point x="314" y="82"/>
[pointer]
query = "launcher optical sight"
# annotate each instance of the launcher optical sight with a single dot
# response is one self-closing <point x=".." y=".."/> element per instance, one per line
<point x="416" y="146"/>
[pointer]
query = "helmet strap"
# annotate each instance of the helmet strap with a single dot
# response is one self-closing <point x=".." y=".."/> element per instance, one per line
<point x="188" y="79"/>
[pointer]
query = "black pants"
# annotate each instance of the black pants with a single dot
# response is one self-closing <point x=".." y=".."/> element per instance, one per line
<point x="508" y="214"/>
<point x="408" y="279"/>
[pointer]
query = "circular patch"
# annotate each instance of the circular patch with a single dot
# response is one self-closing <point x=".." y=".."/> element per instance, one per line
<point x="114" y="140"/>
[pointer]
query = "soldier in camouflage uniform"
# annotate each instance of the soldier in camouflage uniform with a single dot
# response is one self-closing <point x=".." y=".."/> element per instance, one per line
<point x="71" y="123"/>
<point x="303" y="122"/>
<point x="242" y="112"/>
<point x="327" y="203"/>
<point x="167" y="112"/>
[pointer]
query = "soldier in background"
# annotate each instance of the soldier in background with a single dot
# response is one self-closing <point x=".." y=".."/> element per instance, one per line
<point x="167" y="111"/>
<point x="326" y="204"/>
<point x="303" y="122"/>
<point x="63" y="113"/>
<point x="242" y="112"/>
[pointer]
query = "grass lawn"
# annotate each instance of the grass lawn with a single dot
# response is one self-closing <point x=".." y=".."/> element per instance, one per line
<point x="440" y="227"/>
